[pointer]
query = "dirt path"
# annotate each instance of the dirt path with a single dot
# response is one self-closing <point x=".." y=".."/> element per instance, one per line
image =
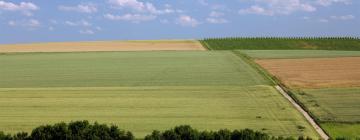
<point x="318" y="129"/>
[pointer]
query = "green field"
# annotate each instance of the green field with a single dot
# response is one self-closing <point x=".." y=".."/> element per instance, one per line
<point x="333" y="104"/>
<point x="143" y="91"/>
<point x="143" y="109"/>
<point x="341" y="130"/>
<point x="283" y="54"/>
<point x="282" y="43"/>
<point x="336" y="109"/>
<point x="109" y="69"/>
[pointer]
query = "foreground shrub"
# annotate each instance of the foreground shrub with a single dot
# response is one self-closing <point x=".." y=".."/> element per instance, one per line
<point x="83" y="130"/>
<point x="79" y="130"/>
<point x="185" y="132"/>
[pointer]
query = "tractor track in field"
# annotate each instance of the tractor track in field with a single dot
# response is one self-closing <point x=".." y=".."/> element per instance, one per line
<point x="318" y="129"/>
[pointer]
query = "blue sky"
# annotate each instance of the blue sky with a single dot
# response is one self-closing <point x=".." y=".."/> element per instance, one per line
<point x="23" y="21"/>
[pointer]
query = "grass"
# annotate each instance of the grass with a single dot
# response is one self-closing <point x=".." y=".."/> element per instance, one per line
<point x="282" y="44"/>
<point x="338" y="109"/>
<point x="333" y="104"/>
<point x="340" y="130"/>
<point x="113" y="69"/>
<point x="143" y="109"/>
<point x="284" y="54"/>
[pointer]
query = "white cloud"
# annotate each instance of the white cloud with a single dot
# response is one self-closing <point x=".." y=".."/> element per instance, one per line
<point x="24" y="7"/>
<point x="203" y="2"/>
<point x="51" y="28"/>
<point x="83" y="23"/>
<point x="278" y="7"/>
<point x="87" y="32"/>
<point x="145" y="7"/>
<point x="185" y="20"/>
<point x="330" y="2"/>
<point x="345" y="17"/>
<point x="98" y="28"/>
<point x="255" y="9"/>
<point x="82" y="8"/>
<point x="323" y="20"/>
<point x="130" y="17"/>
<point x="216" y="14"/>
<point x="217" y="20"/>
<point x="29" y="24"/>
<point x="164" y="21"/>
<point x="11" y="23"/>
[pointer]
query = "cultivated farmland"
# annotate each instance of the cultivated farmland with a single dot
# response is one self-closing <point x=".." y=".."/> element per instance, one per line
<point x="142" y="91"/>
<point x="315" y="73"/>
<point x="98" y="46"/>
<point x="112" y="69"/>
<point x="282" y="54"/>
<point x="278" y="43"/>
<point x="321" y="74"/>
<point x="143" y="109"/>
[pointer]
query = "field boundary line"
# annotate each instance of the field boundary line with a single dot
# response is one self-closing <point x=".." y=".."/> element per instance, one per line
<point x="318" y="129"/>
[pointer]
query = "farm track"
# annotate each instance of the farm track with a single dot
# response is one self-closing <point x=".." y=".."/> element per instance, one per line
<point x="318" y="129"/>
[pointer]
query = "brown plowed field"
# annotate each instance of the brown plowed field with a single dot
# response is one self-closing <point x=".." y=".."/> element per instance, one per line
<point x="104" y="46"/>
<point x="315" y="72"/>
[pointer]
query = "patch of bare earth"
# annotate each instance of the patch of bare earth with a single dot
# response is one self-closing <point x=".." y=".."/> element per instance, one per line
<point x="103" y="46"/>
<point x="315" y="72"/>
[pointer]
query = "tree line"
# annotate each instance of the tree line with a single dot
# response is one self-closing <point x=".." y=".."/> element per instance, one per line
<point x="83" y="130"/>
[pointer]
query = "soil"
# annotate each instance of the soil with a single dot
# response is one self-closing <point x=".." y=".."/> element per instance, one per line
<point x="315" y="72"/>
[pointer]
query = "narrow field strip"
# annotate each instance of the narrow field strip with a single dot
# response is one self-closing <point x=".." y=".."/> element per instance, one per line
<point x="144" y="109"/>
<point x="287" y="54"/>
<point x="98" y="46"/>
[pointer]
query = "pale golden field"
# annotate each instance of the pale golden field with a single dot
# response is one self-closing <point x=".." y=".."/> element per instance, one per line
<point x="168" y="45"/>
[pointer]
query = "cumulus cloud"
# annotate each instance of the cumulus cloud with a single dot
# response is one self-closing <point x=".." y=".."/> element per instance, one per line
<point x="344" y="17"/>
<point x="24" y="7"/>
<point x="29" y="23"/>
<point x="216" y="18"/>
<point x="81" y="8"/>
<point x="185" y="20"/>
<point x="255" y="9"/>
<point x="216" y="14"/>
<point x="136" y="18"/>
<point x="323" y="20"/>
<point x="330" y="2"/>
<point x="138" y="6"/>
<point x="87" y="32"/>
<point x="278" y="7"/>
<point x="83" y="23"/>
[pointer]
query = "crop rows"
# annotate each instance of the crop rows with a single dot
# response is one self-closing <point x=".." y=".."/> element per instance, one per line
<point x="278" y="43"/>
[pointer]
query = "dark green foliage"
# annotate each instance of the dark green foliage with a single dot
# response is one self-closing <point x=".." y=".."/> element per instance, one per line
<point x="79" y="130"/>
<point x="292" y="43"/>
<point x="185" y="132"/>
<point x="83" y="130"/>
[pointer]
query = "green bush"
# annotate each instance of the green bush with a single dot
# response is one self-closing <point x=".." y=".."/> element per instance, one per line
<point x="78" y="130"/>
<point x="83" y="130"/>
<point x="185" y="132"/>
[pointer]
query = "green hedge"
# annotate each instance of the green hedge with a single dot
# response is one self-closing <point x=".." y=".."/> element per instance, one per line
<point x="283" y="43"/>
